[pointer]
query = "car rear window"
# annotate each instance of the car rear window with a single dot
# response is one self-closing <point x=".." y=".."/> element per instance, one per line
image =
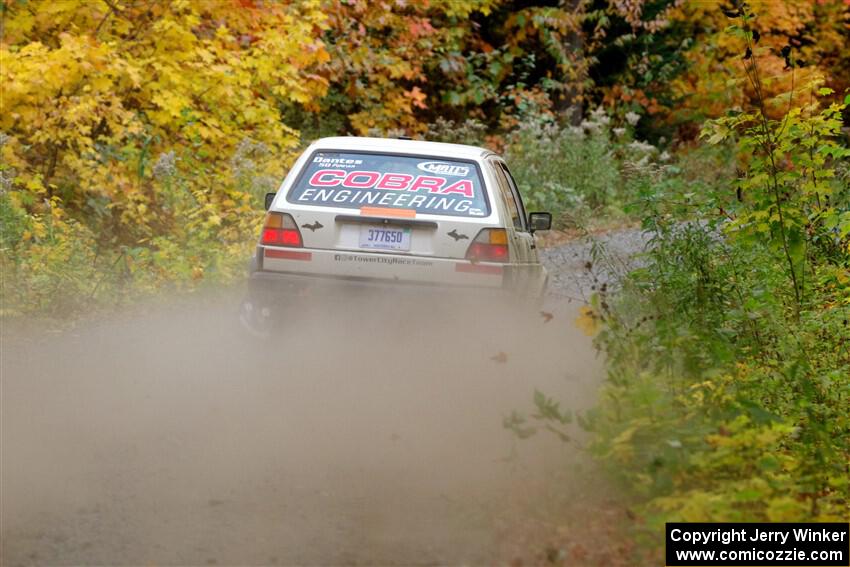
<point x="428" y="185"/>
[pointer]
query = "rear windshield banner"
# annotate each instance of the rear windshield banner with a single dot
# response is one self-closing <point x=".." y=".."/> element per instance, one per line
<point x="427" y="185"/>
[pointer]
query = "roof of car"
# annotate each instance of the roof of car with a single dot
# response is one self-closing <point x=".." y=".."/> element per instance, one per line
<point x="399" y="146"/>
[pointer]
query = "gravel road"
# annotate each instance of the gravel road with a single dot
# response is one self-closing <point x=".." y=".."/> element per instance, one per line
<point x="579" y="266"/>
<point x="364" y="435"/>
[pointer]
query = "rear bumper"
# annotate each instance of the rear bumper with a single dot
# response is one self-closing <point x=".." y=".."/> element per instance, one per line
<point x="274" y="298"/>
<point x="382" y="268"/>
<point x="286" y="285"/>
<point x="283" y="274"/>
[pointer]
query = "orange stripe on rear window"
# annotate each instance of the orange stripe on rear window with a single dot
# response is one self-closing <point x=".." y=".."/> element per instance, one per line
<point x="385" y="212"/>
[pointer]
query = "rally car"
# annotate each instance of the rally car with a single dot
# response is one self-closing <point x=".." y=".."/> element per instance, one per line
<point x="380" y="212"/>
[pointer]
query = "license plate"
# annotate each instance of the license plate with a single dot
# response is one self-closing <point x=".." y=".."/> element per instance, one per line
<point x="384" y="238"/>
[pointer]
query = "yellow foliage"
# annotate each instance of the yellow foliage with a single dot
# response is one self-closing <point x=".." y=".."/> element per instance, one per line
<point x="588" y="321"/>
<point x="193" y="76"/>
<point x="134" y="115"/>
<point x="707" y="87"/>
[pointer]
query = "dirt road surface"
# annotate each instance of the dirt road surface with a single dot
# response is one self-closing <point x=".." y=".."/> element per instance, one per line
<point x="367" y="434"/>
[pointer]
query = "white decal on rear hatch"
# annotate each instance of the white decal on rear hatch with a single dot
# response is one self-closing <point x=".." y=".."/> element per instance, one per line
<point x="382" y="260"/>
<point x="443" y="168"/>
<point x="338" y="162"/>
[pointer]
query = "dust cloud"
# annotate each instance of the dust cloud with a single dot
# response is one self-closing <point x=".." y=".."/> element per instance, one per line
<point x="366" y="430"/>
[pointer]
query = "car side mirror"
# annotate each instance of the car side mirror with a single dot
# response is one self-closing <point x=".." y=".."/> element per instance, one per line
<point x="540" y="221"/>
<point x="269" y="200"/>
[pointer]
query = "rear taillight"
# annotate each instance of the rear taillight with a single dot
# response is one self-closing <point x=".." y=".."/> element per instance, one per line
<point x="491" y="245"/>
<point x="280" y="230"/>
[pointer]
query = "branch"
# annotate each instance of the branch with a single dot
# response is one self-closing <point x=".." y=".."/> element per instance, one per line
<point x="112" y="10"/>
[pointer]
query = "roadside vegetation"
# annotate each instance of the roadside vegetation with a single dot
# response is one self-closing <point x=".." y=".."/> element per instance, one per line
<point x="138" y="138"/>
<point x="728" y="349"/>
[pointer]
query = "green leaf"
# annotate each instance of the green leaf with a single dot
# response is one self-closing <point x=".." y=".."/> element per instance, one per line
<point x="748" y="495"/>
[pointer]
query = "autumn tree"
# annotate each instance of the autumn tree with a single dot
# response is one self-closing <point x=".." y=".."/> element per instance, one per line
<point x="129" y="124"/>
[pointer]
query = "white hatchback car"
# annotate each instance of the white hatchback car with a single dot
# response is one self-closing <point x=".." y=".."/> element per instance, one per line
<point x="377" y="212"/>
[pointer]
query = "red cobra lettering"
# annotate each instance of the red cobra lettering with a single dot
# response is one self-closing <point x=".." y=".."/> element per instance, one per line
<point x="433" y="184"/>
<point x="394" y="181"/>
<point x="316" y="180"/>
<point x="371" y="178"/>
<point x="464" y="187"/>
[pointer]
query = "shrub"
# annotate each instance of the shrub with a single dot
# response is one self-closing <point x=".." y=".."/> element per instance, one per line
<point x="729" y="351"/>
<point x="58" y="265"/>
